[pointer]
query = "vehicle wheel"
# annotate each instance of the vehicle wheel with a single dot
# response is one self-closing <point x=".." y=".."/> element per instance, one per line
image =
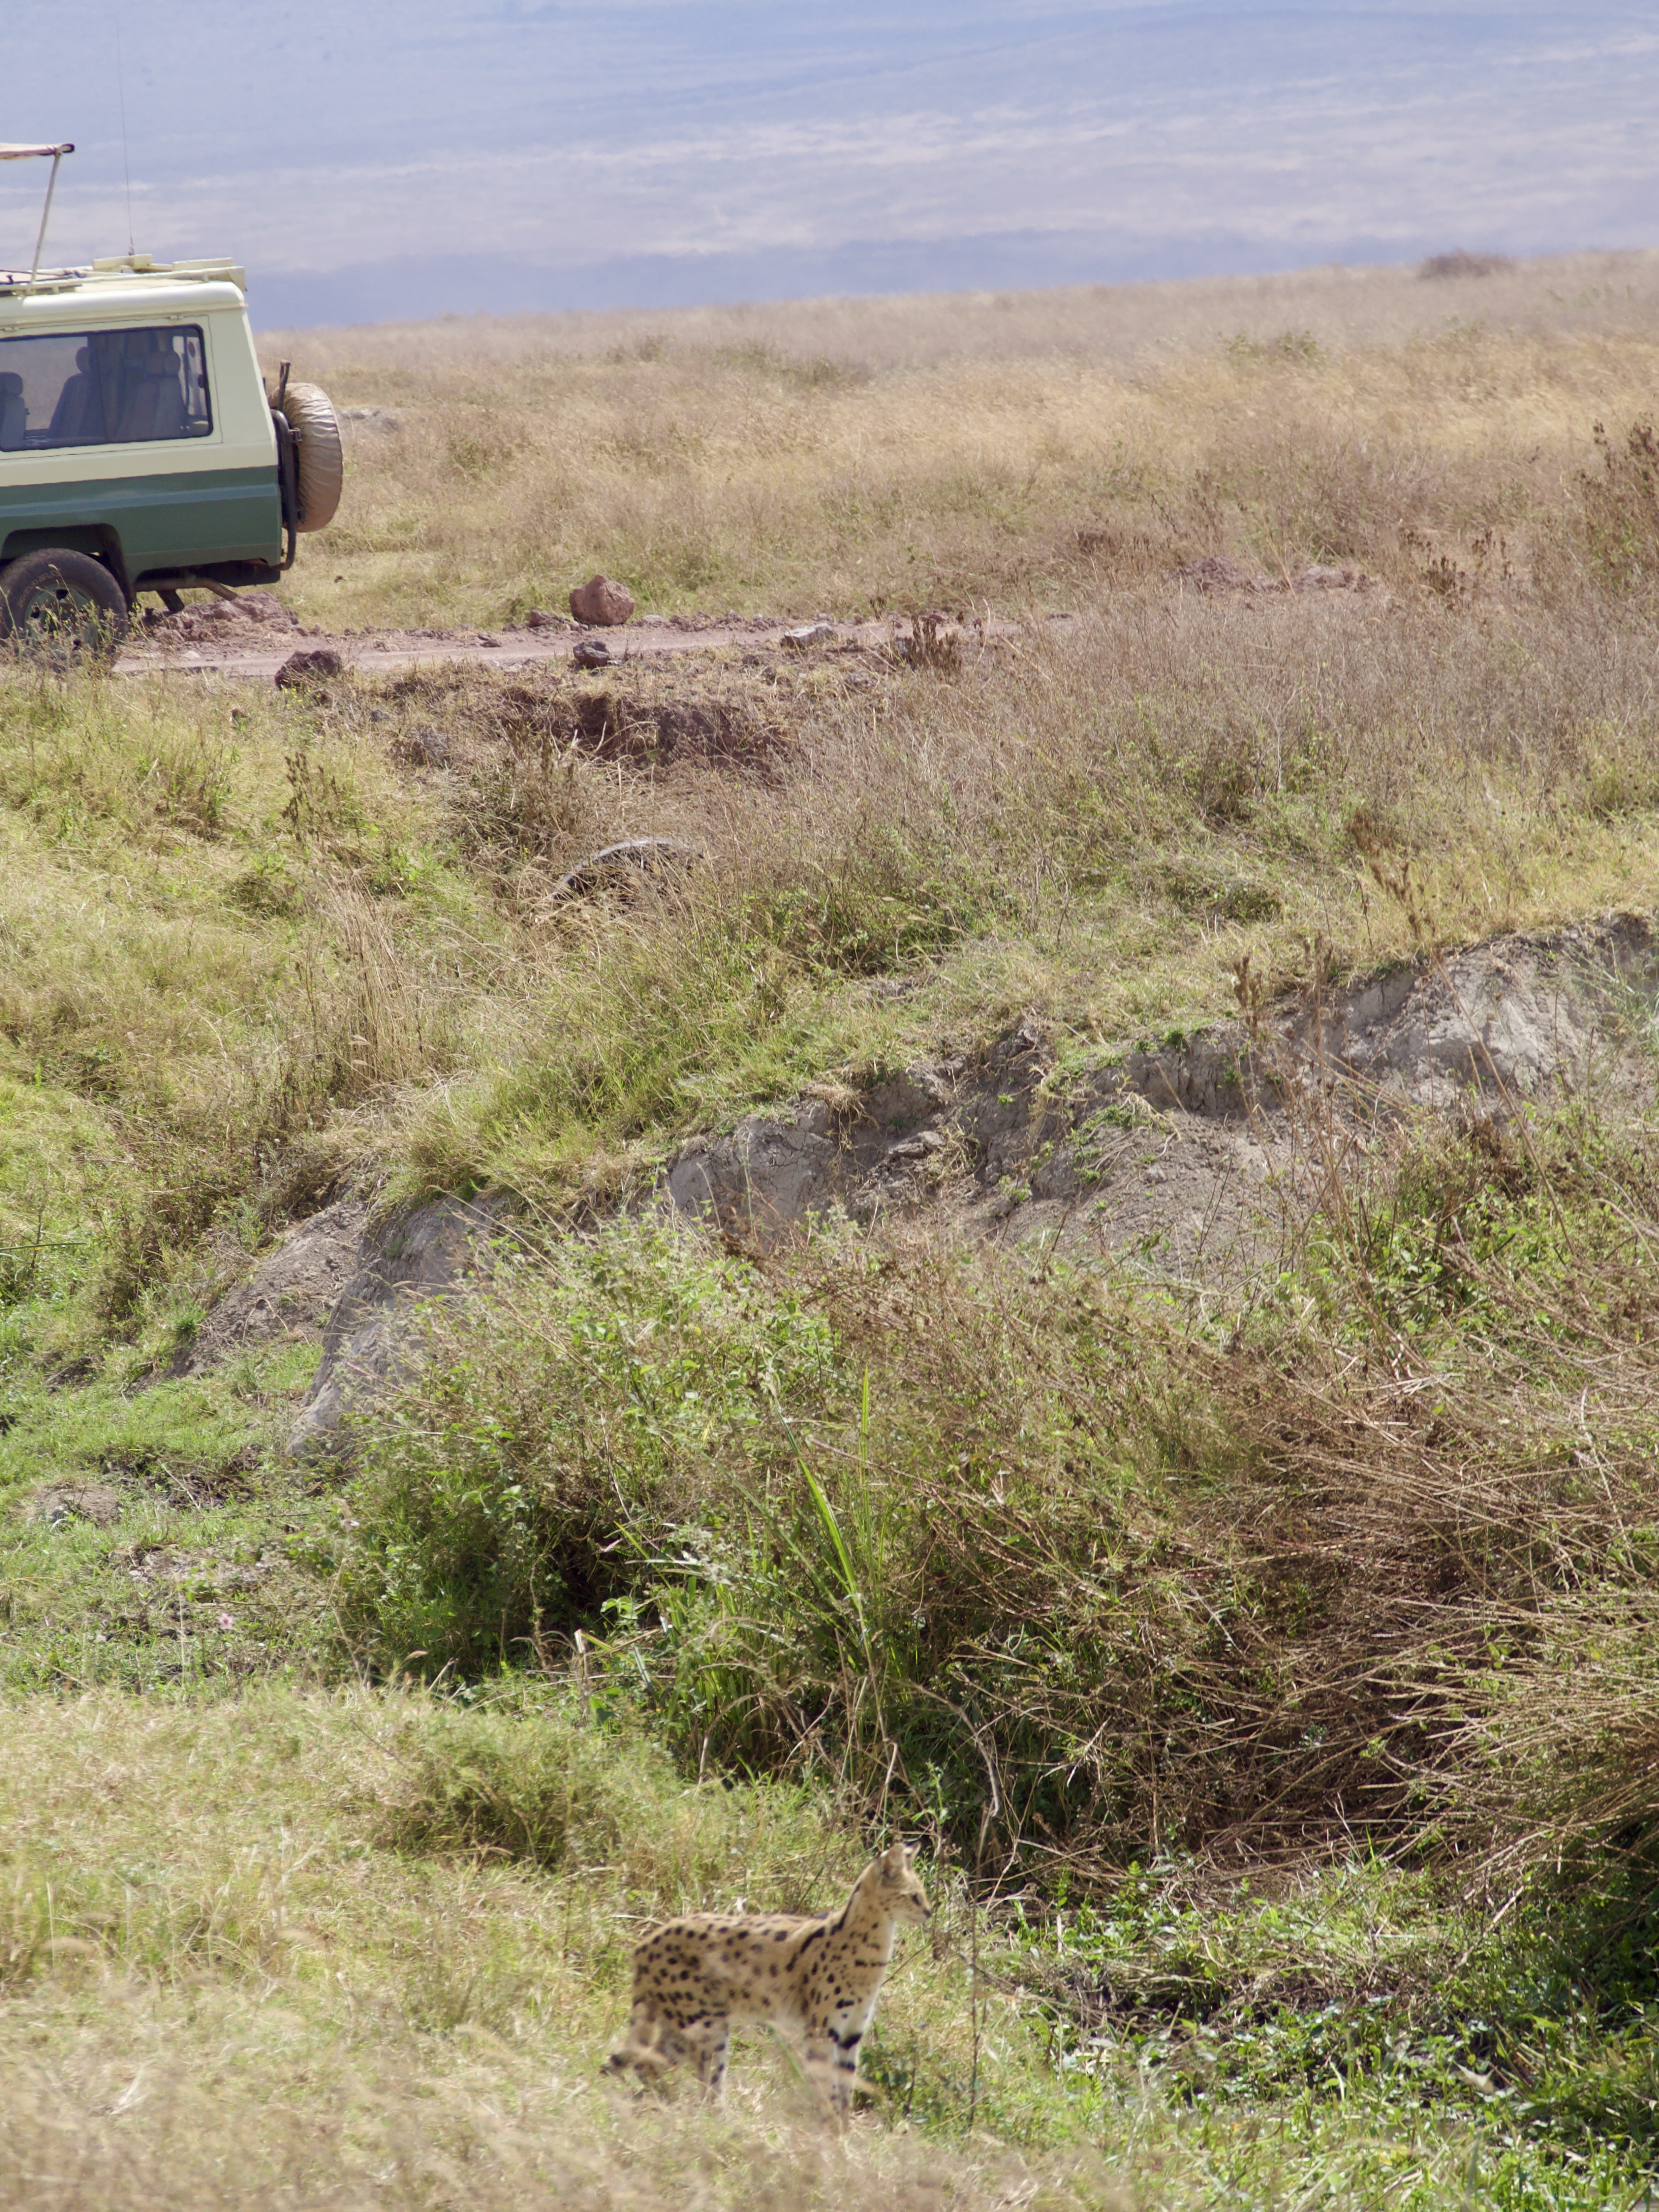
<point x="63" y="607"/>
<point x="318" y="453"/>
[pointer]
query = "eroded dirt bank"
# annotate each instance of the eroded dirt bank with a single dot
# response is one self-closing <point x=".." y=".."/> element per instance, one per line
<point x="1197" y="1158"/>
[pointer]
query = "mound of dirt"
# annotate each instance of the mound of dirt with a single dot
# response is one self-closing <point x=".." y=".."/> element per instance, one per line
<point x="256" y="619"/>
<point x="1212" y="574"/>
<point x="648" y="717"/>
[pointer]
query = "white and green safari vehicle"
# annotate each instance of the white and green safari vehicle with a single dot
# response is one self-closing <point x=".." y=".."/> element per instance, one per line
<point x="140" y="450"/>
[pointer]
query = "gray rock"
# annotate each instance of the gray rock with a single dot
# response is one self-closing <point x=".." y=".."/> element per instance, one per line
<point x="860" y="1151"/>
<point x="421" y="1254"/>
<point x="1188" y="1158"/>
<point x="423" y="746"/>
<point x="617" y="864"/>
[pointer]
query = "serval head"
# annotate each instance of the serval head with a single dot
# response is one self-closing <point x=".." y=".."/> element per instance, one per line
<point x="897" y="1893"/>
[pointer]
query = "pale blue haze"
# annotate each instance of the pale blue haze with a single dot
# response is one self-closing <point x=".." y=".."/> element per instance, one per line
<point x="374" y="161"/>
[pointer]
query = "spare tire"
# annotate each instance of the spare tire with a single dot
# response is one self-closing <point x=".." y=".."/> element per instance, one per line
<point x="318" y="454"/>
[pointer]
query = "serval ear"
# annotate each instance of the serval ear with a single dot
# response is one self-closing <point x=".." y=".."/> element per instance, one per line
<point x="896" y="1859"/>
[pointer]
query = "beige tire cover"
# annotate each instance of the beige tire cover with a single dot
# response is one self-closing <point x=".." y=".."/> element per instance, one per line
<point x="318" y="453"/>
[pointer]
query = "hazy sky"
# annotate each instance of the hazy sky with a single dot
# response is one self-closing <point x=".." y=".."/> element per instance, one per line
<point x="371" y="160"/>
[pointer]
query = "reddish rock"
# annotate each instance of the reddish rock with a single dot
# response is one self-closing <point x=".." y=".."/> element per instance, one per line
<point x="602" y="603"/>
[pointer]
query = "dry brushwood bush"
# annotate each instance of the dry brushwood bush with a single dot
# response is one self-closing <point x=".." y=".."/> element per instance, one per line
<point x="1032" y="1555"/>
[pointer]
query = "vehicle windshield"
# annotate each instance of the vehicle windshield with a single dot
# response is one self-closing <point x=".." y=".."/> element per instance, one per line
<point x="102" y="388"/>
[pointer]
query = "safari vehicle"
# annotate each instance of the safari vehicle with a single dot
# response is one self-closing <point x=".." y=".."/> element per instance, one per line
<point x="140" y="450"/>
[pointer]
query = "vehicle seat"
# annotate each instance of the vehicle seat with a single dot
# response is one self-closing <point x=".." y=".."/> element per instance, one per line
<point x="14" y="412"/>
<point x="78" y="417"/>
<point x="155" y="401"/>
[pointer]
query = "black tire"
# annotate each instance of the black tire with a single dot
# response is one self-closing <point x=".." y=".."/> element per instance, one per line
<point x="62" y="608"/>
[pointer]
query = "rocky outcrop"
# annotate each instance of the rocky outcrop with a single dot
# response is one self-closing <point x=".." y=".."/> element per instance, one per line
<point x="1190" y="1157"/>
<point x="290" y="1293"/>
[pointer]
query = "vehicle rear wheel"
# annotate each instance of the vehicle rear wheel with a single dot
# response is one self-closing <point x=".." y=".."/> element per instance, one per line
<point x="62" y="608"/>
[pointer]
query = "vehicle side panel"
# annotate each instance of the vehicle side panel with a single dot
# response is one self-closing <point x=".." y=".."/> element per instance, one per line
<point x="183" y="518"/>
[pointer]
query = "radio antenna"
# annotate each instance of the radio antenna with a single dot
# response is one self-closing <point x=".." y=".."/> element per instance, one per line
<point x="126" y="165"/>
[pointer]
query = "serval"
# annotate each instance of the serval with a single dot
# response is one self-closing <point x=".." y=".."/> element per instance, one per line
<point x="817" y="1978"/>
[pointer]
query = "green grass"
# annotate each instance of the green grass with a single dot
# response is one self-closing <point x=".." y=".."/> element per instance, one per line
<point x="211" y="1567"/>
<point x="365" y="1942"/>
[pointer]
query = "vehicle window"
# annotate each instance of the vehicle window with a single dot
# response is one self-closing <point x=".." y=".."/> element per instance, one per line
<point x="102" y="388"/>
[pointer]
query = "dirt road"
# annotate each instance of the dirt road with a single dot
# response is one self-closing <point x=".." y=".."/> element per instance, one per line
<point x="239" y="642"/>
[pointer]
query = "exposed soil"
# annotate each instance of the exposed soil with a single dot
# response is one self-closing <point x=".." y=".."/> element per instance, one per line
<point x="451" y="716"/>
<point x="1199" y="1158"/>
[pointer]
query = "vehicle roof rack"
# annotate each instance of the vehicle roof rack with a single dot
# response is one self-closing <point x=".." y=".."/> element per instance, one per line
<point x="54" y="155"/>
<point x="136" y="269"/>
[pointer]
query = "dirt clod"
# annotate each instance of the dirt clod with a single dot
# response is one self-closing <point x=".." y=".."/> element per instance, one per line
<point x="300" y="669"/>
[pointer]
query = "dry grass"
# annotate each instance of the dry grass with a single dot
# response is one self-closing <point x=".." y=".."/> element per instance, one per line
<point x="847" y="456"/>
<point x="1126" y="324"/>
<point x="225" y="1971"/>
<point x="229" y="1975"/>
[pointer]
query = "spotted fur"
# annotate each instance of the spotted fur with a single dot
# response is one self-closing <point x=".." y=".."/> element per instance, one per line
<point x="818" y="1979"/>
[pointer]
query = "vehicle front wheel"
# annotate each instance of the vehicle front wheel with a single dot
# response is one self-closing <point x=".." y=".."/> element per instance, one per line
<point x="62" y="608"/>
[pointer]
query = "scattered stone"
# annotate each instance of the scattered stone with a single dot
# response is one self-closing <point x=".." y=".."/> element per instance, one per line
<point x="654" y="621"/>
<point x="300" y="669"/>
<point x="809" y="633"/>
<point x="647" y="856"/>
<point x="539" y="618"/>
<point x="1212" y="574"/>
<point x="592" y="652"/>
<point x="423" y="746"/>
<point x="485" y="637"/>
<point x="605" y="605"/>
